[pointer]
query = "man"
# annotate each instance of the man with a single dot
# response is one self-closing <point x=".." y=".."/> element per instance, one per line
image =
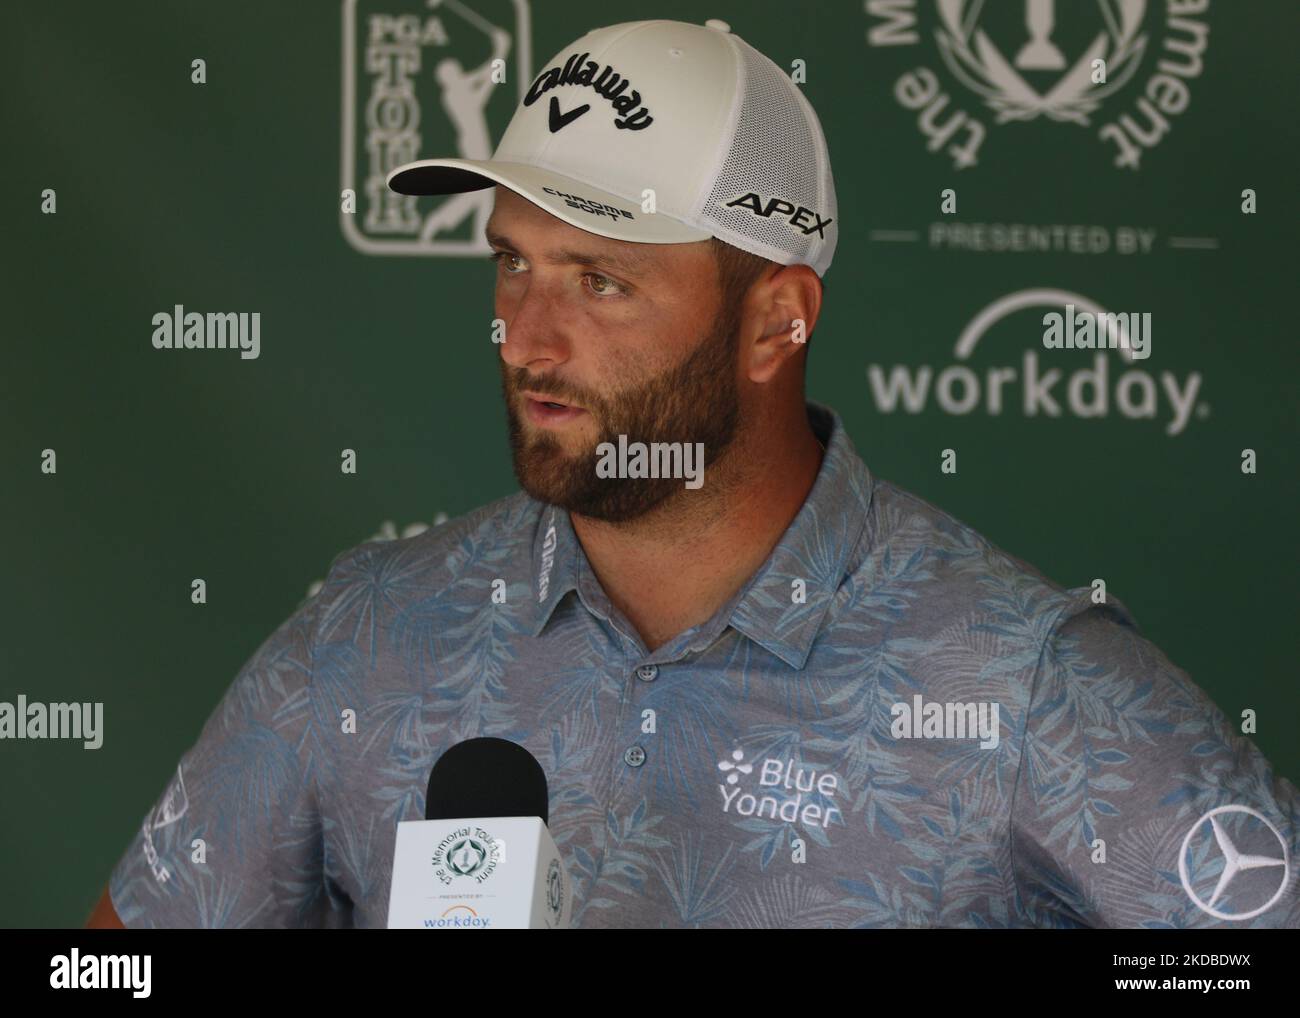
<point x="767" y="688"/>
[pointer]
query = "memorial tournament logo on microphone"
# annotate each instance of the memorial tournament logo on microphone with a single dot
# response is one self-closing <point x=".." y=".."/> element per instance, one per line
<point x="1075" y="64"/>
<point x="422" y="78"/>
<point x="482" y="792"/>
<point x="466" y="857"/>
<point x="555" y="889"/>
<point x="467" y="852"/>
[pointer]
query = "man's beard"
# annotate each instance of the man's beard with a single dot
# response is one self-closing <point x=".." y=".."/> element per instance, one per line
<point x="696" y="401"/>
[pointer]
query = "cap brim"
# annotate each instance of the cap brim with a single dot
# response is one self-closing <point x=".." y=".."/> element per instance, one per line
<point x="578" y="204"/>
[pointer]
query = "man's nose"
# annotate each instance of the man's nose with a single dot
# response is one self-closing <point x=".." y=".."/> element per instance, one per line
<point x="534" y="328"/>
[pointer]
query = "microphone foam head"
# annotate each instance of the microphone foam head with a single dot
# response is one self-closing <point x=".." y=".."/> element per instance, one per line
<point x="486" y="777"/>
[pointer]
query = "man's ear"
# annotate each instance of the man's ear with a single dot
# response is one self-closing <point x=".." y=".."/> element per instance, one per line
<point x="788" y="302"/>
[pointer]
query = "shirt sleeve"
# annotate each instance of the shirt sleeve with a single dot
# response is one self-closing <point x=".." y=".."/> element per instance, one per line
<point x="235" y="838"/>
<point x="1137" y="804"/>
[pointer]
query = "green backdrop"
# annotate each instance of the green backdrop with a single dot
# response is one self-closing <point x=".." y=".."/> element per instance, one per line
<point x="225" y="196"/>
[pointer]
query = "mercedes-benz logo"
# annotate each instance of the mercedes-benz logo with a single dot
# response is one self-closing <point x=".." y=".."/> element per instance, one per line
<point x="1235" y="862"/>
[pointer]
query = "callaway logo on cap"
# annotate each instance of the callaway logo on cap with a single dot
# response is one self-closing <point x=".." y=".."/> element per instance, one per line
<point x="728" y="145"/>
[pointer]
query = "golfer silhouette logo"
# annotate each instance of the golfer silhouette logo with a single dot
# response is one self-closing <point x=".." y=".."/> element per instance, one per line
<point x="425" y="76"/>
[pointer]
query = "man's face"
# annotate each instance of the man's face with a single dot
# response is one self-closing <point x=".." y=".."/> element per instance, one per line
<point x="632" y="334"/>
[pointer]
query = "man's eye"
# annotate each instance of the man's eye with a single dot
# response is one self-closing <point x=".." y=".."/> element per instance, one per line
<point x="498" y="255"/>
<point x="601" y="286"/>
<point x="605" y="286"/>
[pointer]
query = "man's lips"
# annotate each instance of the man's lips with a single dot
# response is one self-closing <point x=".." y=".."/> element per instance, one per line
<point x="541" y="412"/>
<point x="542" y="397"/>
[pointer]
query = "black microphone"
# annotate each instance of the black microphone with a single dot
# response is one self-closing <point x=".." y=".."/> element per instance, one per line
<point x="486" y="777"/>
<point x="482" y="857"/>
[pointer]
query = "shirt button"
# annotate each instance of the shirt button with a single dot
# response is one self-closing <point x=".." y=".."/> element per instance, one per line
<point x="634" y="756"/>
<point x="647" y="673"/>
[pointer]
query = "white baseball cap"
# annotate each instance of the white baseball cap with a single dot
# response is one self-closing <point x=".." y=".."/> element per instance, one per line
<point x="728" y="145"/>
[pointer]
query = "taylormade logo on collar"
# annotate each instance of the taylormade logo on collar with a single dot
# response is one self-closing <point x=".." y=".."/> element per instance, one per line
<point x="604" y="81"/>
<point x="548" y="560"/>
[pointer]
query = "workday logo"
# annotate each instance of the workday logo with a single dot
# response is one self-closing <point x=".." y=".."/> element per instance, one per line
<point x="1234" y="854"/>
<point x="423" y="78"/>
<point x="779" y="792"/>
<point x="1097" y="388"/>
<point x="1026" y="60"/>
<point x="459" y="917"/>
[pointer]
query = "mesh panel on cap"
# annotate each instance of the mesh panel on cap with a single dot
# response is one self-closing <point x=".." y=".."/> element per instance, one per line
<point x="777" y="152"/>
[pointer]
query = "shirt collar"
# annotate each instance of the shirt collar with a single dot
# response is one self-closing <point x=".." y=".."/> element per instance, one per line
<point x="815" y="548"/>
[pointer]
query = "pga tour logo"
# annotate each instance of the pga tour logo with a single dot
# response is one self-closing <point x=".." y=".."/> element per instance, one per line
<point x="422" y="79"/>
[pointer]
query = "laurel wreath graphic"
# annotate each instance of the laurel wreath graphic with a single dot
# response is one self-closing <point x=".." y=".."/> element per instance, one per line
<point x="981" y="67"/>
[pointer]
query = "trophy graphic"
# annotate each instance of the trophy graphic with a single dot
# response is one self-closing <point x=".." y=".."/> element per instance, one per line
<point x="1040" y="53"/>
